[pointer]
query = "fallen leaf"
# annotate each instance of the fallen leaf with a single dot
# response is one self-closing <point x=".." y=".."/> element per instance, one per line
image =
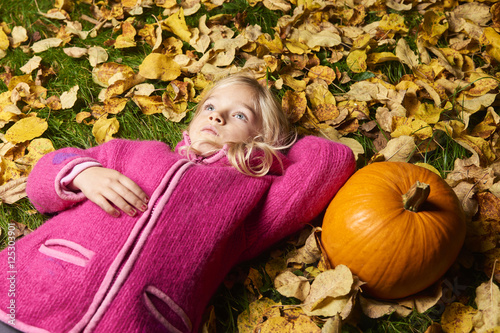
<point x="13" y="191"/>
<point x="104" y="129"/>
<point x="487" y="300"/>
<point x="97" y="55"/>
<point x="31" y="65"/>
<point x="159" y="66"/>
<point x="76" y="52"/>
<point x="26" y="129"/>
<point x="291" y="285"/>
<point x="19" y="36"/>
<point x="46" y="44"/>
<point x="329" y="292"/>
<point x="457" y="318"/>
<point x="68" y="98"/>
<point x="254" y="315"/>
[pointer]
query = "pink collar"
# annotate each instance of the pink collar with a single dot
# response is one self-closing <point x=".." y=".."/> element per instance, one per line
<point x="277" y="168"/>
<point x="186" y="141"/>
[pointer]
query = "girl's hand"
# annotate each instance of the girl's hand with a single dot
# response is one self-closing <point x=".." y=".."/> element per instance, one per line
<point x="107" y="187"/>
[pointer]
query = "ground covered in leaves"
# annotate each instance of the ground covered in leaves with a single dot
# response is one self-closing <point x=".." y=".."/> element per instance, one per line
<point x="412" y="81"/>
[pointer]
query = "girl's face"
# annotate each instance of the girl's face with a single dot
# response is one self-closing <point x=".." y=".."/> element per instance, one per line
<point x="227" y="115"/>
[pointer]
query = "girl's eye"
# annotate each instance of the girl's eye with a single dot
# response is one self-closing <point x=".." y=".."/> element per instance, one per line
<point x="240" y="116"/>
<point x="209" y="107"/>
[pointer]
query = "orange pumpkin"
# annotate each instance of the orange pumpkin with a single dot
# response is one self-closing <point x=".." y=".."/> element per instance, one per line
<point x="399" y="243"/>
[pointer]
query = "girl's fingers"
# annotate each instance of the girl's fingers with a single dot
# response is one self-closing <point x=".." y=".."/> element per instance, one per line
<point x="102" y="202"/>
<point x="131" y="186"/>
<point x="120" y="201"/>
<point x="111" y="190"/>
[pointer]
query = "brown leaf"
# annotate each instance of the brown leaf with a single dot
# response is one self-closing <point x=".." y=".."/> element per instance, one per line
<point x="291" y="285"/>
<point x="488" y="304"/>
<point x="329" y="292"/>
<point x="13" y="190"/>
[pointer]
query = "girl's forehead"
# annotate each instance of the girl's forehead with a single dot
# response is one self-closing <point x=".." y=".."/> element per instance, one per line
<point x="234" y="87"/>
<point x="242" y="94"/>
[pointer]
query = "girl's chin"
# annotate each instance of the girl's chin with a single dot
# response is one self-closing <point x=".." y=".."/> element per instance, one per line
<point x="206" y="147"/>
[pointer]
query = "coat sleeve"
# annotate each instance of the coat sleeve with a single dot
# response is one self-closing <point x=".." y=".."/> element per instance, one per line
<point x="44" y="182"/>
<point x="317" y="168"/>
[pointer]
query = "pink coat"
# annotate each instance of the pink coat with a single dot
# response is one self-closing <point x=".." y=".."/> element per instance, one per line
<point x="84" y="271"/>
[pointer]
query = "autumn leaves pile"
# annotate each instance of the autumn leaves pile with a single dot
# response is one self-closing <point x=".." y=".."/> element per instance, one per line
<point x="327" y="60"/>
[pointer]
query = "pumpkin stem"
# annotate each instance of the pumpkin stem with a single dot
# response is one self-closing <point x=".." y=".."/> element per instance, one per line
<point x="416" y="196"/>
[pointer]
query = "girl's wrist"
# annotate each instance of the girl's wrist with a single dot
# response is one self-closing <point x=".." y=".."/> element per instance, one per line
<point x="67" y="181"/>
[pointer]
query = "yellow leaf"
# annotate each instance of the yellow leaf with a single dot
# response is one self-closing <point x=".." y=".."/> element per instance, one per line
<point x="11" y="170"/>
<point x="297" y="85"/>
<point x="104" y="129"/>
<point x="322" y="72"/>
<point x="126" y="39"/>
<point x="26" y="129"/>
<point x="319" y="94"/>
<point x="294" y="104"/>
<point x="274" y="46"/>
<point x="4" y="40"/>
<point x="361" y="41"/>
<point x="81" y="116"/>
<point x="380" y="57"/>
<point x="457" y="318"/>
<point x="107" y="73"/>
<point x="293" y="324"/>
<point x="411" y="127"/>
<point x="483" y="84"/>
<point x="149" y="104"/>
<point x="159" y="66"/>
<point x="429" y="167"/>
<point x="474" y="104"/>
<point x="251" y="317"/>
<point x="434" y="25"/>
<point x="393" y="23"/>
<point x="36" y="150"/>
<point x="399" y="149"/>
<point x="430" y="113"/>
<point x="114" y="105"/>
<point x="356" y="61"/>
<point x="176" y="23"/>
<point x="282" y="5"/>
<point x="491" y="37"/>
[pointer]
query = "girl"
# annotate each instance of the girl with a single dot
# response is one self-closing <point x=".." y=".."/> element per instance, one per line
<point x="144" y="236"/>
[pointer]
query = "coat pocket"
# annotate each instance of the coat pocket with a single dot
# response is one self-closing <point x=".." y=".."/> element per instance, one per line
<point x="157" y="301"/>
<point x="67" y="250"/>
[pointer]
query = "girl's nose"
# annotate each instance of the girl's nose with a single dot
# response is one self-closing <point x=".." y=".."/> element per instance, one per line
<point x="217" y="118"/>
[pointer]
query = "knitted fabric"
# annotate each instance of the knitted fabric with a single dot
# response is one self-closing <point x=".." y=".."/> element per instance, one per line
<point x="84" y="271"/>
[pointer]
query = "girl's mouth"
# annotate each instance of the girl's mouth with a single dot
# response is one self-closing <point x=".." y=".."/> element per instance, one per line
<point x="211" y="130"/>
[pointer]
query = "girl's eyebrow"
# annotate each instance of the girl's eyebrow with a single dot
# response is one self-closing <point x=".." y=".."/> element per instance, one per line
<point x="239" y="104"/>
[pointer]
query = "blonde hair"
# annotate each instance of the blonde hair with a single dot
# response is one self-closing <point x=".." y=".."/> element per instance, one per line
<point x="274" y="134"/>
